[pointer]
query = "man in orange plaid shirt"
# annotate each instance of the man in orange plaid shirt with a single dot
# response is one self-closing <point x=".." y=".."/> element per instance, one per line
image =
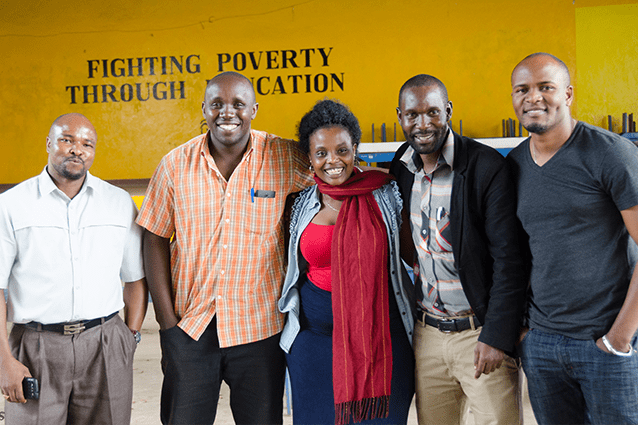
<point x="215" y="285"/>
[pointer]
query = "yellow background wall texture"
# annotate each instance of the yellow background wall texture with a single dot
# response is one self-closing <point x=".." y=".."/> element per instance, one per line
<point x="138" y="69"/>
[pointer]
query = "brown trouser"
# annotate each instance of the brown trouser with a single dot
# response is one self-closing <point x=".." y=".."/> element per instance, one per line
<point x="445" y="383"/>
<point x="85" y="378"/>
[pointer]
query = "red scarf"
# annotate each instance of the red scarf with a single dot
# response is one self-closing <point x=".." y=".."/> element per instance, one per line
<point x="361" y="345"/>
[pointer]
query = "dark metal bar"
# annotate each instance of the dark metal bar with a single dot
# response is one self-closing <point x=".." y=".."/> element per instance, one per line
<point x="383" y="139"/>
<point x="461" y="127"/>
<point x="624" y="122"/>
<point x="609" y="124"/>
<point x="372" y="133"/>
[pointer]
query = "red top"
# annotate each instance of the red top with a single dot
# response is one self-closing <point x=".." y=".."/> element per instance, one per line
<point x="315" y="245"/>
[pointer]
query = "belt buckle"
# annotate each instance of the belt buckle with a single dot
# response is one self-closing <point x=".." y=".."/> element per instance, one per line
<point x="73" y="328"/>
<point x="449" y="326"/>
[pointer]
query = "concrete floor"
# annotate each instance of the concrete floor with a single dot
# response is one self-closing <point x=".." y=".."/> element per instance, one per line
<point x="147" y="384"/>
<point x="148" y="381"/>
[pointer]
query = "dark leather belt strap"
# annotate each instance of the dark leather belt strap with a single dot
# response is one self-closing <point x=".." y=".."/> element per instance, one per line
<point x="70" y="328"/>
<point x="449" y="325"/>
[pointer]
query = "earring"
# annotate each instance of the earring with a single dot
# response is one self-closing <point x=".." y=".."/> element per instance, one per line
<point x="310" y="168"/>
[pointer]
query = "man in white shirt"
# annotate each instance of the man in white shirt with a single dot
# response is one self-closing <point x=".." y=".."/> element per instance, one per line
<point x="67" y="241"/>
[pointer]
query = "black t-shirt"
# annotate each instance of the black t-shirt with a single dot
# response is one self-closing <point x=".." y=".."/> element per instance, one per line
<point x="582" y="255"/>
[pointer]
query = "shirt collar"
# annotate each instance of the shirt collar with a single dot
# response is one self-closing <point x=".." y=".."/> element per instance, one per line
<point x="47" y="185"/>
<point x="413" y="161"/>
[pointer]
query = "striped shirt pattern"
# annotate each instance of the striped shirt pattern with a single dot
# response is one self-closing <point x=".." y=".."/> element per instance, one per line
<point x="227" y="251"/>
<point x="441" y="292"/>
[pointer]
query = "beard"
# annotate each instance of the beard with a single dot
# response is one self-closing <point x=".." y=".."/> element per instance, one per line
<point x="440" y="136"/>
<point x="536" y="128"/>
<point x="65" y="172"/>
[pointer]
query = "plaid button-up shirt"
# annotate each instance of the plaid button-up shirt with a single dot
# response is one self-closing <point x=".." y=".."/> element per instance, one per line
<point x="227" y="254"/>
<point x="441" y="292"/>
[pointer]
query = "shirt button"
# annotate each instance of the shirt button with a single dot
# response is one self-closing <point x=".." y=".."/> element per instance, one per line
<point x="228" y="220"/>
<point x="225" y="246"/>
<point x="219" y="297"/>
<point x="223" y="272"/>
<point x="228" y="195"/>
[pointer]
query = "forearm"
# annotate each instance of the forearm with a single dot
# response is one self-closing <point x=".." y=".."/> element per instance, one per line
<point x="626" y="323"/>
<point x="5" y="349"/>
<point x="158" y="276"/>
<point x="12" y="372"/>
<point x="135" y="303"/>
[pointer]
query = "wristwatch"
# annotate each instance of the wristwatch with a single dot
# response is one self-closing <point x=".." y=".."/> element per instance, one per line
<point x="137" y="335"/>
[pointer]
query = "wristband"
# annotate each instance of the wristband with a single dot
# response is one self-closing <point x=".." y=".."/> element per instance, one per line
<point x="614" y="351"/>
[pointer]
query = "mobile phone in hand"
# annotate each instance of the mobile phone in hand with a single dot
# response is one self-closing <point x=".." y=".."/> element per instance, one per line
<point x="30" y="388"/>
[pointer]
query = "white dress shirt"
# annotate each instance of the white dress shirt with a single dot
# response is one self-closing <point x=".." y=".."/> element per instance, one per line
<point x="65" y="259"/>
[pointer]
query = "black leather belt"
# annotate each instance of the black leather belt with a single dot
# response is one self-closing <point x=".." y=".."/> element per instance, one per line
<point x="449" y="325"/>
<point x="70" y="328"/>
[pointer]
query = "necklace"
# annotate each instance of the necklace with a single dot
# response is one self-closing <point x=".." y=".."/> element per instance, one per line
<point x="533" y="152"/>
<point x="328" y="205"/>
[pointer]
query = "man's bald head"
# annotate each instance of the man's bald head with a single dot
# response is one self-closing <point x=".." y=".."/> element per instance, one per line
<point x="72" y="117"/>
<point x="231" y="77"/>
<point x="541" y="57"/>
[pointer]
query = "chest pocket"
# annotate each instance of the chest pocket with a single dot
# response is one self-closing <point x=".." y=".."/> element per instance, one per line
<point x="264" y="211"/>
<point x="36" y="229"/>
<point x="442" y="234"/>
<point x="37" y="219"/>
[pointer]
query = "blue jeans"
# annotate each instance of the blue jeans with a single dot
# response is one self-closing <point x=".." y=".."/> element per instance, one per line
<point x="572" y="381"/>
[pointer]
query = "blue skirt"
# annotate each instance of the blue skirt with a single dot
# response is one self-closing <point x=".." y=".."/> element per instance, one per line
<point x="310" y="363"/>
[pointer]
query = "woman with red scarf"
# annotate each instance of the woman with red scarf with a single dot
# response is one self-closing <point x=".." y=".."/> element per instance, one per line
<point x="349" y="327"/>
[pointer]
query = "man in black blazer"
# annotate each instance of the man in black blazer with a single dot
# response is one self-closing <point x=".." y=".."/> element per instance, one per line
<point x="460" y="233"/>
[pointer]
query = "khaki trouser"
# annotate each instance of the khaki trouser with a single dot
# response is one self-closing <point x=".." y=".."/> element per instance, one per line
<point x="445" y="383"/>
<point x="84" y="379"/>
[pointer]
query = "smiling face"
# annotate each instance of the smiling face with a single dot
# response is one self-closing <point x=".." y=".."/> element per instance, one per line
<point x="423" y="113"/>
<point x="229" y="107"/>
<point x="541" y="94"/>
<point x="71" y="147"/>
<point x="332" y="154"/>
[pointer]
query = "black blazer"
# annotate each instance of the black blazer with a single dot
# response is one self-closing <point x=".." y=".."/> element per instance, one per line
<point x="485" y="240"/>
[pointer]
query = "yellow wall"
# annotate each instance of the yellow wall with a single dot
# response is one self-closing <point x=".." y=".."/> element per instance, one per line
<point x="373" y="46"/>
<point x="607" y="63"/>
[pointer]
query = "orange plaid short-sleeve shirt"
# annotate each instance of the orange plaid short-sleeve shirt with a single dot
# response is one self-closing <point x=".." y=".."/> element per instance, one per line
<point x="227" y="254"/>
